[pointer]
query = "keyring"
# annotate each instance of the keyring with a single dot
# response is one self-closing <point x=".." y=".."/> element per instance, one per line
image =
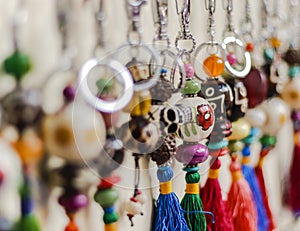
<point x="238" y="73"/>
<point x="122" y="74"/>
<point x="150" y="82"/>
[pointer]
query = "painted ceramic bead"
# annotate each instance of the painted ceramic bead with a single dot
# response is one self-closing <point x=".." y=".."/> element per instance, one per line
<point x="240" y="100"/>
<point x="222" y="129"/>
<point x="73" y="138"/>
<point x="255" y="94"/>
<point x="291" y="93"/>
<point x="218" y="94"/>
<point x="28" y="105"/>
<point x="138" y="70"/>
<point x="213" y="66"/>
<point x="133" y="207"/>
<point x="277" y="114"/>
<point x="240" y="129"/>
<point x="162" y="91"/>
<point x="141" y="198"/>
<point x="191" y="153"/>
<point x="202" y="121"/>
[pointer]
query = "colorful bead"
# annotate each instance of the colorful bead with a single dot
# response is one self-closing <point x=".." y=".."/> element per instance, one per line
<point x="18" y="64"/>
<point x="231" y="58"/>
<point x="106" y="197"/>
<point x="69" y="93"/>
<point x="191" y="153"/>
<point x="267" y="140"/>
<point x="213" y="66"/>
<point x="217" y="145"/>
<point x="140" y="104"/>
<point x="72" y="203"/>
<point x="189" y="70"/>
<point x="275" y="42"/>
<point x="255" y="94"/>
<point x="192" y="87"/>
<point x="249" y="47"/>
<point x="240" y="129"/>
<point x="294" y="71"/>
<point x="292" y="56"/>
<point x="236" y="146"/>
<point x="269" y="55"/>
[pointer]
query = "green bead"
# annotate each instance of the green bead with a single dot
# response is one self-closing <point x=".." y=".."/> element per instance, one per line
<point x="294" y="71"/>
<point x="191" y="87"/>
<point x="110" y="217"/>
<point x="235" y="146"/>
<point x="106" y="197"/>
<point x="18" y="64"/>
<point x="27" y="223"/>
<point x="268" y="140"/>
<point x="269" y="54"/>
<point x="104" y="85"/>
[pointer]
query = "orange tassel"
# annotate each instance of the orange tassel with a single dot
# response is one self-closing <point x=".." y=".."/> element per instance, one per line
<point x="240" y="204"/>
<point x="72" y="225"/>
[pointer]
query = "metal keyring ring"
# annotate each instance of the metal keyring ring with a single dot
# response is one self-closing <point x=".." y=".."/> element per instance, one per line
<point x="232" y="70"/>
<point x="146" y="84"/>
<point x="100" y="104"/>
<point x="177" y="61"/>
<point x="197" y="51"/>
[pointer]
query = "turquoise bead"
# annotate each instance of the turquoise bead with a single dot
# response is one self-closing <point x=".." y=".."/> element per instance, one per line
<point x="106" y="197"/>
<point x="294" y="71"/>
<point x="269" y="54"/>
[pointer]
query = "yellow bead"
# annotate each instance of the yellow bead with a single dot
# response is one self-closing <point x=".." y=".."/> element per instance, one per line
<point x="140" y="104"/>
<point x="213" y="66"/>
<point x="240" y="129"/>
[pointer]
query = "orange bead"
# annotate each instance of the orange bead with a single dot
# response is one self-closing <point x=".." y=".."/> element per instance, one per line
<point x="29" y="147"/>
<point x="213" y="66"/>
<point x="275" y="42"/>
<point x="250" y="47"/>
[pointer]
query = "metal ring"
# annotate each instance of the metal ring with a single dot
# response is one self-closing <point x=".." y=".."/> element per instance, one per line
<point x="232" y="70"/>
<point x="146" y="84"/>
<point x="191" y="37"/>
<point x="99" y="104"/>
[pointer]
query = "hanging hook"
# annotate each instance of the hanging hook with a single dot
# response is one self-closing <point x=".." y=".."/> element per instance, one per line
<point x="160" y="17"/>
<point x="210" y="5"/>
<point x="100" y="20"/>
<point x="134" y="10"/>
<point x="229" y="9"/>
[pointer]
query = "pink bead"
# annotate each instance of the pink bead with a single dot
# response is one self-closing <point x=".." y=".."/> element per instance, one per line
<point x="189" y="70"/>
<point x="231" y="58"/>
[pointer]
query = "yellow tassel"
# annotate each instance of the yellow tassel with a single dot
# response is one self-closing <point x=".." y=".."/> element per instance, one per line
<point x="245" y="160"/>
<point x="236" y="175"/>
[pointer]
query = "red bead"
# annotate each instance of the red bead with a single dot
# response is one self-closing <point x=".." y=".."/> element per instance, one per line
<point x="250" y="47"/>
<point x="109" y="182"/>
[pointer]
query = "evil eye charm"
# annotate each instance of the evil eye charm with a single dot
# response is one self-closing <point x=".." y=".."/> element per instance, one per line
<point x="202" y="120"/>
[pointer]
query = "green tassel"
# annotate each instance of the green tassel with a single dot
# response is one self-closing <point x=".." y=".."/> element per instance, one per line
<point x="192" y="204"/>
<point x="27" y="223"/>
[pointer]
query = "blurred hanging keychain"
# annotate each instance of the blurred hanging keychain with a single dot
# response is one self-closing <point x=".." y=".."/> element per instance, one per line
<point x="290" y="94"/>
<point x="27" y="104"/>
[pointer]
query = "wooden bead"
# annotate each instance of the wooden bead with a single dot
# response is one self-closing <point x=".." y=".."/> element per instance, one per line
<point x="213" y="66"/>
<point x="255" y="94"/>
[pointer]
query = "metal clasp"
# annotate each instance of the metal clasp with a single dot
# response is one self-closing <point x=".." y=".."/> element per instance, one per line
<point x="160" y="17"/>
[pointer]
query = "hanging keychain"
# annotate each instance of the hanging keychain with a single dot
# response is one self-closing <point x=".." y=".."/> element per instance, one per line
<point x="219" y="95"/>
<point x="27" y="104"/>
<point x="199" y="126"/>
<point x="290" y="94"/>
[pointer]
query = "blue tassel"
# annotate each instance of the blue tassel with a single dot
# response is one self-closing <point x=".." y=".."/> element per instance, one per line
<point x="169" y="213"/>
<point x="250" y="176"/>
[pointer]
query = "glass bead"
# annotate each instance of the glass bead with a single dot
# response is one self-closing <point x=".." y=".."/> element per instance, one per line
<point x="213" y="66"/>
<point x="189" y="70"/>
<point x="249" y="47"/>
<point x="18" y="64"/>
<point x="231" y="58"/>
<point x="192" y="87"/>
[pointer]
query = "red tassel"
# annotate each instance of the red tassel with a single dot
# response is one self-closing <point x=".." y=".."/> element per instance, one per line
<point x="261" y="181"/>
<point x="294" y="198"/>
<point x="240" y="202"/>
<point x="212" y="201"/>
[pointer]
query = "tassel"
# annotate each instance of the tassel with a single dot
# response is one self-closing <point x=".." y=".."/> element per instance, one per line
<point x="294" y="198"/>
<point x="249" y="174"/>
<point x="190" y="155"/>
<point x="267" y="143"/>
<point x="240" y="204"/>
<point x="169" y="214"/>
<point x="212" y="201"/>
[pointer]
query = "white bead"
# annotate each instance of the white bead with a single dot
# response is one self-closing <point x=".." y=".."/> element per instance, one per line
<point x="256" y="117"/>
<point x="133" y="208"/>
<point x="141" y="198"/>
<point x="291" y="93"/>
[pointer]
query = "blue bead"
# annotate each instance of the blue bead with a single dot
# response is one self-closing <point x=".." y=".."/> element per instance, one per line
<point x="246" y="151"/>
<point x="109" y="209"/>
<point x="165" y="174"/>
<point x="26" y="205"/>
<point x="163" y="71"/>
